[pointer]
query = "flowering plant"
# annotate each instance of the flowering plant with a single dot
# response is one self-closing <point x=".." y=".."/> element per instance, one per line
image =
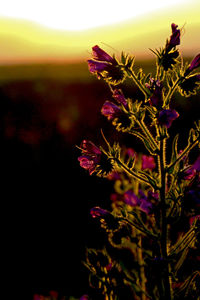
<point x="153" y="229"/>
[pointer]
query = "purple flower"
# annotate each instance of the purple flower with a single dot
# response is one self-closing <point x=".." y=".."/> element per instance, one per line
<point x="84" y="297"/>
<point x="101" y="55"/>
<point x="105" y="66"/>
<point x="130" y="153"/>
<point x="101" y="61"/>
<point x="188" y="173"/>
<point x="174" y="38"/>
<point x="114" y="113"/>
<point x="94" y="160"/>
<point x="194" y="64"/>
<point x="91" y="156"/>
<point x="97" y="212"/>
<point x="196" y="165"/>
<point x="189" y="85"/>
<point x="114" y="176"/>
<point x="194" y="197"/>
<point x="97" y="66"/>
<point x="194" y="218"/>
<point x="145" y="204"/>
<point x="131" y="199"/>
<point x="167" y="116"/>
<point x="88" y="163"/>
<point x="110" y="110"/>
<point x="142" y="201"/>
<point x="153" y="195"/>
<point x="155" y="88"/>
<point x="116" y="199"/>
<point x="119" y="97"/>
<point x="37" y="297"/>
<point x="105" y="217"/>
<point x="148" y="162"/>
<point x="89" y="148"/>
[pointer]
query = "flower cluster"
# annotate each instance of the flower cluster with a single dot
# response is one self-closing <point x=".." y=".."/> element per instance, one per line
<point x="53" y="295"/>
<point x="93" y="159"/>
<point x="167" y="56"/>
<point x="153" y="227"/>
<point x="105" y="66"/>
<point x="117" y="113"/>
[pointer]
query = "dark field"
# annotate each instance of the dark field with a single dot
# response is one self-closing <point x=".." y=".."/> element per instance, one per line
<point x="45" y="111"/>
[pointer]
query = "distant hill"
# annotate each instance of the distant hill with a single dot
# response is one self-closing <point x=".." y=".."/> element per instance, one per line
<point x="62" y="71"/>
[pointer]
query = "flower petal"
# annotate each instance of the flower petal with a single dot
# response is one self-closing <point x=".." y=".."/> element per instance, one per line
<point x="100" y="55"/>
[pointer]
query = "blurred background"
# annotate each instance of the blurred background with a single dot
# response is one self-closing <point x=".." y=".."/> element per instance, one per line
<point x="49" y="103"/>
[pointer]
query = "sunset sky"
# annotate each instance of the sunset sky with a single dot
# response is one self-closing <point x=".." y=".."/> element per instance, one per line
<point x="48" y="31"/>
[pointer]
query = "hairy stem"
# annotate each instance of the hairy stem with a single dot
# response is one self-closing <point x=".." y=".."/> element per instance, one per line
<point x="131" y="172"/>
<point x="183" y="153"/>
<point x="142" y="270"/>
<point x="170" y="93"/>
<point x="138" y="83"/>
<point x="142" y="228"/>
<point x="148" y="135"/>
<point x="189" y="235"/>
<point x="164" y="229"/>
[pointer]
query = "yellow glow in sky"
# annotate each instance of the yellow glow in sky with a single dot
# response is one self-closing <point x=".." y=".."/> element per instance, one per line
<point x="80" y="14"/>
<point x="47" y="31"/>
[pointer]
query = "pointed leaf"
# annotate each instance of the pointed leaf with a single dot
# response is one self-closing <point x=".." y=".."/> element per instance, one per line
<point x="174" y="153"/>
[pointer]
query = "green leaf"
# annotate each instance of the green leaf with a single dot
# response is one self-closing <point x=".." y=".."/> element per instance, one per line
<point x="169" y="80"/>
<point x="192" y="136"/>
<point x="152" y="111"/>
<point x="180" y="260"/>
<point x="130" y="62"/>
<point x="197" y="125"/>
<point x="136" y="106"/>
<point x="147" y="77"/>
<point x="184" y="242"/>
<point x="148" y="177"/>
<point x="140" y="74"/>
<point x="138" y="223"/>
<point x="148" y="147"/>
<point x="123" y="58"/>
<point x="144" y="140"/>
<point x="174" y="153"/>
<point x="184" y="289"/>
<point x="156" y="52"/>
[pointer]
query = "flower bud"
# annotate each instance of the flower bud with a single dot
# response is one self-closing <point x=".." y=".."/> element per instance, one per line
<point x="167" y="116"/>
<point x="105" y="66"/>
<point x="174" y="38"/>
<point x="193" y="65"/>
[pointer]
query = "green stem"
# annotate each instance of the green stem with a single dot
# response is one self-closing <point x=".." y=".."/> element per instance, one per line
<point x="185" y="238"/>
<point x="157" y="72"/>
<point x="142" y="229"/>
<point x="164" y="230"/>
<point x="138" y="83"/>
<point x="148" y="134"/>
<point x="185" y="151"/>
<point x="142" y="270"/>
<point x="130" y="172"/>
<point x="170" y="93"/>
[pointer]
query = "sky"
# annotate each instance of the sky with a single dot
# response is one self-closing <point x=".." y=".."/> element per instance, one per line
<point x="46" y="31"/>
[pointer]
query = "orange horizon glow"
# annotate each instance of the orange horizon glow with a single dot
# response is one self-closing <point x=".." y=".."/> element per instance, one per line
<point x="28" y="42"/>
